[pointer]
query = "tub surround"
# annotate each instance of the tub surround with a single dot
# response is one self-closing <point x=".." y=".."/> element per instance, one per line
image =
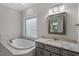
<point x="16" y="51"/>
<point x="4" y="51"/>
<point x="60" y="44"/>
<point x="21" y="44"/>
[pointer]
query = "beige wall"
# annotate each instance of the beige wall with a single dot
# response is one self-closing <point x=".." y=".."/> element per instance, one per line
<point x="41" y="12"/>
<point x="78" y="23"/>
<point x="10" y="22"/>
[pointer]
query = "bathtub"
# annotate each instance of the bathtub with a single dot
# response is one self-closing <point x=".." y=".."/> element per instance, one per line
<point x="21" y="43"/>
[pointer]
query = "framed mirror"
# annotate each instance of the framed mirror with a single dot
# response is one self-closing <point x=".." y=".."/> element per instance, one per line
<point x="56" y="24"/>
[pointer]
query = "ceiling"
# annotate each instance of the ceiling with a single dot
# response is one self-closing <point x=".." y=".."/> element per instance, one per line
<point x="18" y="6"/>
<point x="22" y="6"/>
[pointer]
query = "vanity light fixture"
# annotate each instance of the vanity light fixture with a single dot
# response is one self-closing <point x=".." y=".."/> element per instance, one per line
<point x="23" y="3"/>
<point x="50" y="12"/>
<point x="61" y="7"/>
<point x="57" y="9"/>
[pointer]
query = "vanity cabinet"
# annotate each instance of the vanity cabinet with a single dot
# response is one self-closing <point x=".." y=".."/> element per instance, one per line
<point x="53" y="54"/>
<point x="51" y="49"/>
<point x="40" y="45"/>
<point x="39" y="51"/>
<point x="47" y="50"/>
<point x="42" y="52"/>
<point x="68" y="53"/>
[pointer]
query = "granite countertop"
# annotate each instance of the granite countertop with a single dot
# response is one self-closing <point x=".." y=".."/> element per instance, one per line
<point x="61" y="44"/>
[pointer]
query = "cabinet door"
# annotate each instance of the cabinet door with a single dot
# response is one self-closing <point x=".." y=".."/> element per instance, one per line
<point x="53" y="54"/>
<point x="41" y="52"/>
<point x="39" y="45"/>
<point x="68" y="53"/>
<point x="51" y="49"/>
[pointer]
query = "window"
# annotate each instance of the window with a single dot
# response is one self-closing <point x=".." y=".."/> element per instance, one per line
<point x="30" y="27"/>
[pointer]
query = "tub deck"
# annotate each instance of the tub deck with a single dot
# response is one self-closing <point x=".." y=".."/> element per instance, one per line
<point x="7" y="50"/>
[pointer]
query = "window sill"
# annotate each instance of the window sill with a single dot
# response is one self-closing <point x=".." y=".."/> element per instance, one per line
<point x="30" y="38"/>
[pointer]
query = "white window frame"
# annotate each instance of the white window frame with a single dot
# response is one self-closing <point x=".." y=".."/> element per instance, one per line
<point x="24" y="26"/>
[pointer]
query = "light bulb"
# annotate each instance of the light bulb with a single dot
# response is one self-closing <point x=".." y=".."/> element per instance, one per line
<point x="23" y="3"/>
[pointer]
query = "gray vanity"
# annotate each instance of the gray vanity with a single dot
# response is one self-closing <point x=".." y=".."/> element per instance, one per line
<point x="46" y="48"/>
<point x="53" y="47"/>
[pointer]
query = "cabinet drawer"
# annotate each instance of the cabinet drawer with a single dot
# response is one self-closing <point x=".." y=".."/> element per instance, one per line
<point x="41" y="52"/>
<point x="68" y="53"/>
<point x="51" y="49"/>
<point x="53" y="54"/>
<point x="39" y="45"/>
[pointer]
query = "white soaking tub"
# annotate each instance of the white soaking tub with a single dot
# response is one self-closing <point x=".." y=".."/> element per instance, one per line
<point x="21" y="43"/>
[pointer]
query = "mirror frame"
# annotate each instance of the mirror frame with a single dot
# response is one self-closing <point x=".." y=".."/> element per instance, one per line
<point x="64" y="24"/>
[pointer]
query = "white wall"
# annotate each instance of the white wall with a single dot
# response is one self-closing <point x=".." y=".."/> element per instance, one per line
<point x="10" y="22"/>
<point x="41" y="10"/>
